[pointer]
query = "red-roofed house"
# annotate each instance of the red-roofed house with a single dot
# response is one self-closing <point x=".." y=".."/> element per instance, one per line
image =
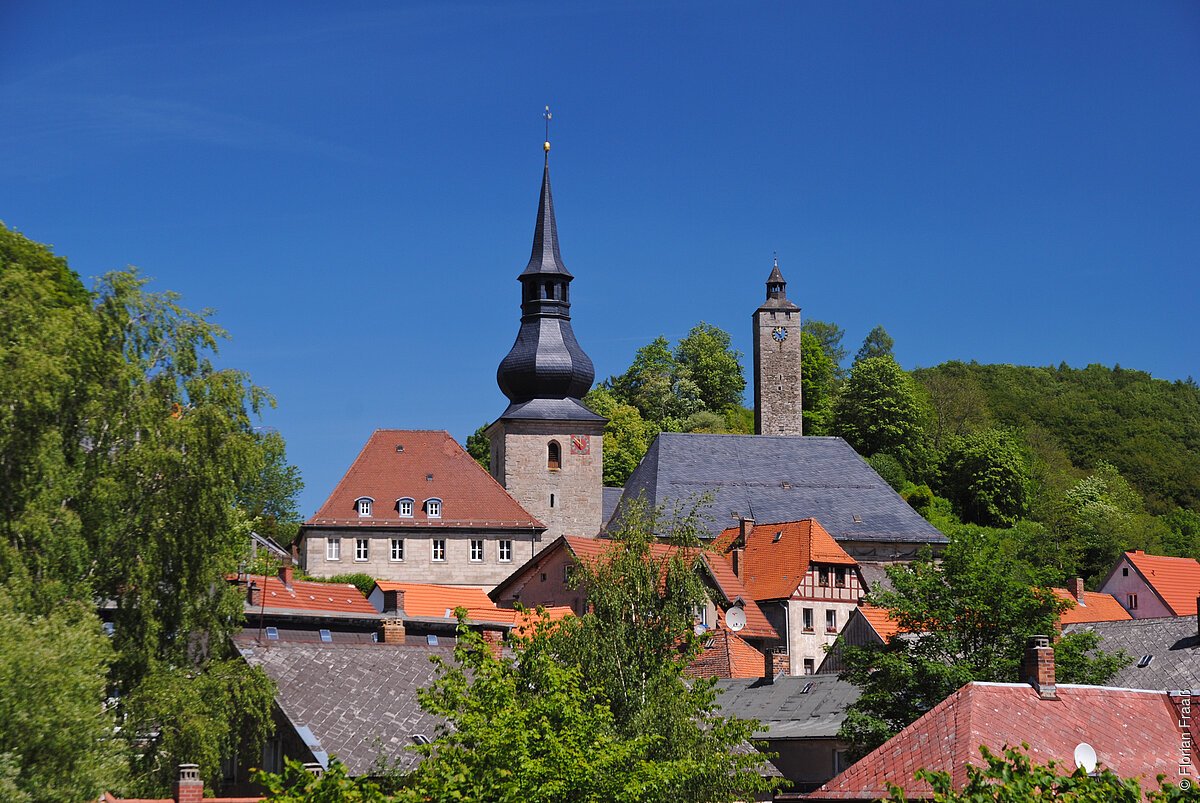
<point x="1134" y="733"/>
<point x="426" y="608"/>
<point x="805" y="583"/>
<point x="415" y="507"/>
<point x="1088" y="606"/>
<point x="1150" y="586"/>
<point x="724" y="654"/>
<point x="189" y="788"/>
<point x="280" y="608"/>
<point x="545" y="580"/>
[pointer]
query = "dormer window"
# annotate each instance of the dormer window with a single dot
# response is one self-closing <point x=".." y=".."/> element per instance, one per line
<point x="553" y="456"/>
<point x="405" y="507"/>
<point x="363" y="505"/>
<point x="433" y="508"/>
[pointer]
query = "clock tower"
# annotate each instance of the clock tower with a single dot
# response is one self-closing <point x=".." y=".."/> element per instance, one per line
<point x="777" y="396"/>
<point x="547" y="449"/>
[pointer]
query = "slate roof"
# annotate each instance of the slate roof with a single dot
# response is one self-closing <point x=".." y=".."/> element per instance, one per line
<point x="1175" y="580"/>
<point x="420" y="465"/>
<point x="305" y="598"/>
<point x="356" y="700"/>
<point x="777" y="556"/>
<point x="1133" y="732"/>
<point x="726" y="655"/>
<point x="1173" y="644"/>
<point x="785" y="710"/>
<point x="778" y="478"/>
<point x="1096" y="607"/>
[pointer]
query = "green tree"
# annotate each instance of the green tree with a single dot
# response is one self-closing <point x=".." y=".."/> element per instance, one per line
<point x="627" y="435"/>
<point x="297" y="785"/>
<point x="1014" y="778"/>
<point x="985" y="475"/>
<point x="654" y="386"/>
<point x="829" y="335"/>
<point x="57" y="735"/>
<point x="957" y="400"/>
<point x="819" y="374"/>
<point x="64" y="285"/>
<point x="970" y="616"/>
<point x="479" y="446"/>
<point x="131" y="470"/>
<point x="709" y="359"/>
<point x="881" y="410"/>
<point x="877" y="343"/>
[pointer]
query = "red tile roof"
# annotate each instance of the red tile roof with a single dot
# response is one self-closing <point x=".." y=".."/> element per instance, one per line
<point x="1176" y="580"/>
<point x="1134" y="733"/>
<point x="431" y="465"/>
<point x="777" y="556"/>
<point x="1096" y="607"/>
<point x="726" y="655"/>
<point x="311" y="598"/>
<point x="427" y="600"/>
<point x="880" y="619"/>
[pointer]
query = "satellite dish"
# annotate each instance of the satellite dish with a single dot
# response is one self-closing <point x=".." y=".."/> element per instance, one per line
<point x="736" y="619"/>
<point x="699" y="629"/>
<point x="1085" y="756"/>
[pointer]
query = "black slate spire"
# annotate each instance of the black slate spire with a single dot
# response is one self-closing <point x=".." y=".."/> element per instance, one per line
<point x="777" y="290"/>
<point x="546" y="362"/>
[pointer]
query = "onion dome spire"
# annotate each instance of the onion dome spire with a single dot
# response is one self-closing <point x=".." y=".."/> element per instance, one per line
<point x="545" y="362"/>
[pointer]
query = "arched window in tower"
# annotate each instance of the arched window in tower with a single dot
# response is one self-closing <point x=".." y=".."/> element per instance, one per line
<point x="553" y="456"/>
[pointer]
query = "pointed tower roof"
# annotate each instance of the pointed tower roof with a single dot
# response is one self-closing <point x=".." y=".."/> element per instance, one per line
<point x="777" y="290"/>
<point x="545" y="257"/>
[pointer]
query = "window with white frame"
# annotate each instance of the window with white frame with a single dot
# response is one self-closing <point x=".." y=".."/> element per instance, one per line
<point x="405" y="507"/>
<point x="830" y="621"/>
<point x="439" y="549"/>
<point x="362" y="548"/>
<point x="363" y="506"/>
<point x="476" y="550"/>
<point x="333" y="549"/>
<point x="808" y="619"/>
<point x="397" y="549"/>
<point x="505" y="551"/>
<point x="433" y="508"/>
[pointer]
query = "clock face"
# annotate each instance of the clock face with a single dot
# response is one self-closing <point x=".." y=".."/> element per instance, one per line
<point x="780" y="334"/>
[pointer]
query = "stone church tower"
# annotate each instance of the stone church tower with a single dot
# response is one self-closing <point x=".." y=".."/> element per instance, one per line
<point x="777" y="393"/>
<point x="547" y="449"/>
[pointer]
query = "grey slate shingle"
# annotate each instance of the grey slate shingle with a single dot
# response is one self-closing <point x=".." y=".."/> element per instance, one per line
<point x="784" y="710"/>
<point x="1172" y="642"/>
<point x="778" y="478"/>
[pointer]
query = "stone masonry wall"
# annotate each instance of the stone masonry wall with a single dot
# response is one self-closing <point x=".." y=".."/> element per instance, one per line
<point x="777" y="380"/>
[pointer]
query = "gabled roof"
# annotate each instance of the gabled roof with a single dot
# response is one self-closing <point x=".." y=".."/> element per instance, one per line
<point x="792" y="707"/>
<point x="1095" y="607"/>
<point x="306" y="598"/>
<point x="1175" y="580"/>
<point x="881" y="621"/>
<point x="419" y="465"/>
<point x="726" y="655"/>
<point x="778" y="478"/>
<point x="430" y="601"/>
<point x="1171" y="643"/>
<point x="357" y="702"/>
<point x="1134" y="733"/>
<point x="777" y="556"/>
<point x="721" y="572"/>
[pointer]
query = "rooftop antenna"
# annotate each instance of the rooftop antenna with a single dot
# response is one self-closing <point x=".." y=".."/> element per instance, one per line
<point x="546" y="115"/>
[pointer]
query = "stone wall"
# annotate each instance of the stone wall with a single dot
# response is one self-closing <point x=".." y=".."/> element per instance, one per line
<point x="777" y="380"/>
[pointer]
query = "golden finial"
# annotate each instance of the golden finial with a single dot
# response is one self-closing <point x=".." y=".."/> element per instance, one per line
<point x="546" y="115"/>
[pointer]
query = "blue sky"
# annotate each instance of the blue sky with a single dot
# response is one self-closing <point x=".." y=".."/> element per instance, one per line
<point x="352" y="186"/>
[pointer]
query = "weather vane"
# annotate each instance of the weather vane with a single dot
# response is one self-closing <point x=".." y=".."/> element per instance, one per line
<point x="546" y="114"/>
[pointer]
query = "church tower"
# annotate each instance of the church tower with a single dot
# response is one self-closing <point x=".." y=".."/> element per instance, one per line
<point x="547" y="449"/>
<point x="777" y="393"/>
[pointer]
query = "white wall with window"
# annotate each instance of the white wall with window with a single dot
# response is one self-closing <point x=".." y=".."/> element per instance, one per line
<point x="476" y="550"/>
<point x="505" y="550"/>
<point x="333" y="549"/>
<point x="397" y="551"/>
<point x="362" y="549"/>
<point x="439" y="549"/>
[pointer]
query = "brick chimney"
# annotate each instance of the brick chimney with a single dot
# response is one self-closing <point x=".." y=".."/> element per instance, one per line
<point x="189" y="788"/>
<point x="769" y="670"/>
<point x="495" y="641"/>
<point x="1038" y="667"/>
<point x="1077" y="589"/>
<point x="253" y="596"/>
<point x="393" y="601"/>
<point x="285" y="573"/>
<point x="392" y="631"/>
<point x="737" y="555"/>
